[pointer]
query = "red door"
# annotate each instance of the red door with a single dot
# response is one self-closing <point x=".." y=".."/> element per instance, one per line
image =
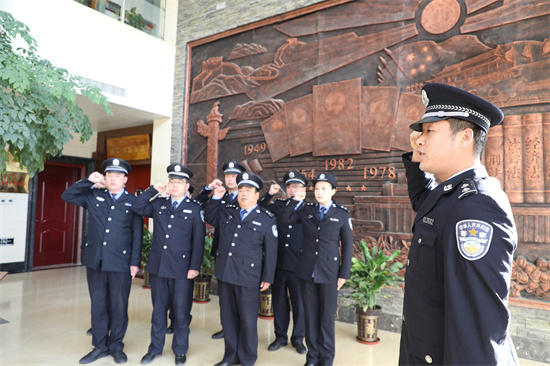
<point x="55" y="233"/>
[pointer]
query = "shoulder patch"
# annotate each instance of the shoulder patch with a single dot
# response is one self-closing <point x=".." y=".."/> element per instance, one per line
<point x="310" y="204"/>
<point x="195" y="202"/>
<point x="271" y="214"/>
<point x="473" y="238"/>
<point x="343" y="208"/>
<point x="466" y="188"/>
<point x="230" y="205"/>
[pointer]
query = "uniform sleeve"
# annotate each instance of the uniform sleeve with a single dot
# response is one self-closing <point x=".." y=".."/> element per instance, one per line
<point x="197" y="250"/>
<point x="202" y="197"/>
<point x="419" y="183"/>
<point x="346" y="237"/>
<point x="477" y="283"/>
<point x="78" y="193"/>
<point x="288" y="215"/>
<point x="137" y="239"/>
<point x="141" y="205"/>
<point x="212" y="211"/>
<point x="270" y="251"/>
<point x="275" y="207"/>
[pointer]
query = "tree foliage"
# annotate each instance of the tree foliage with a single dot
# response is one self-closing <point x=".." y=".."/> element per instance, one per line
<point x="38" y="110"/>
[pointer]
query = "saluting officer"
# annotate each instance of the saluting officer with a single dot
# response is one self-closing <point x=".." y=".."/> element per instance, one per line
<point x="321" y="269"/>
<point x="175" y="258"/>
<point x="286" y="285"/>
<point x="230" y="171"/>
<point x="245" y="265"/>
<point x="111" y="253"/>
<point x="464" y="236"/>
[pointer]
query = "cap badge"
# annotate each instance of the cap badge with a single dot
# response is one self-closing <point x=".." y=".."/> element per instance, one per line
<point x="322" y="176"/>
<point x="231" y="165"/>
<point x="291" y="174"/>
<point x="245" y="176"/>
<point x="116" y="162"/>
<point x="177" y="168"/>
<point x="425" y="98"/>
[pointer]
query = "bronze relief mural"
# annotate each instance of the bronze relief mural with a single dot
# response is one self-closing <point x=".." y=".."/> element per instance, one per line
<point x="335" y="90"/>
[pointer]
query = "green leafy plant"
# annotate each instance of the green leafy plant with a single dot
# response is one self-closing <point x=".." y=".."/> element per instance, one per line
<point x="134" y="19"/>
<point x="372" y="272"/>
<point x="207" y="266"/>
<point x="146" y="246"/>
<point x="38" y="109"/>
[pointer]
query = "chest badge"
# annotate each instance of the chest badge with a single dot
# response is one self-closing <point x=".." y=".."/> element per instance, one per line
<point x="473" y="238"/>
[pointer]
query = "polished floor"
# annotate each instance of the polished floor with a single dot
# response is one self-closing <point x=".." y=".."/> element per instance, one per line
<point x="44" y="316"/>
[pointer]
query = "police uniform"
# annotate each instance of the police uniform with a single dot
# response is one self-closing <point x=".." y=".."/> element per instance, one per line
<point x="286" y="285"/>
<point x="113" y="244"/>
<point x="460" y="260"/>
<point x="246" y="256"/>
<point x="319" y="267"/>
<point x="177" y="247"/>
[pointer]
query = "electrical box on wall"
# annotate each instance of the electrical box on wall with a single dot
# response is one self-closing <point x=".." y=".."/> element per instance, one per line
<point x="13" y="226"/>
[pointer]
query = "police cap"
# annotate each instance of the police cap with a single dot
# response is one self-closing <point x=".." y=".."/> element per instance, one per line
<point x="233" y="167"/>
<point x="116" y="165"/>
<point x="250" y="179"/>
<point x="179" y="171"/>
<point x="444" y="101"/>
<point x="295" y="176"/>
<point x="325" y="177"/>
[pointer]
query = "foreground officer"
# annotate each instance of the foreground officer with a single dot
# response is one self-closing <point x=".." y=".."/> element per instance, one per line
<point x="464" y="236"/>
<point x="321" y="269"/>
<point x="111" y="254"/>
<point x="245" y="265"/>
<point x="287" y="286"/>
<point x="175" y="258"/>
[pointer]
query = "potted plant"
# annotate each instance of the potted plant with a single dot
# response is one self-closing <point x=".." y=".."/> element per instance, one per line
<point x="145" y="249"/>
<point x="368" y="276"/>
<point x="202" y="281"/>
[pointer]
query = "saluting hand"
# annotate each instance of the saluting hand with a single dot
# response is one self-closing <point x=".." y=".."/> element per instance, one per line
<point x="219" y="191"/>
<point x="161" y="188"/>
<point x="274" y="189"/>
<point x="215" y="183"/>
<point x="96" y="177"/>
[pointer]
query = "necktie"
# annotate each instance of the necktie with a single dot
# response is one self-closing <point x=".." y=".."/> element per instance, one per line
<point x="113" y="196"/>
<point x="322" y="212"/>
<point x="175" y="205"/>
<point x="243" y="214"/>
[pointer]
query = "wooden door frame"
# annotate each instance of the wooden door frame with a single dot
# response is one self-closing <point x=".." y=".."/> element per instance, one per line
<point x="86" y="167"/>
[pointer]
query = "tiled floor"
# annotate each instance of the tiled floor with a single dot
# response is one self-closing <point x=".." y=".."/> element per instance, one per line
<point x="47" y="314"/>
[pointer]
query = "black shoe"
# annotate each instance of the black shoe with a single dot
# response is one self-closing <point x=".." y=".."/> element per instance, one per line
<point x="180" y="359"/>
<point x="309" y="364"/>
<point x="148" y="358"/>
<point x="170" y="329"/>
<point x="120" y="357"/>
<point x="275" y="346"/>
<point x="95" y="355"/>
<point x="222" y="363"/>
<point x="300" y="348"/>
<point x="218" y="335"/>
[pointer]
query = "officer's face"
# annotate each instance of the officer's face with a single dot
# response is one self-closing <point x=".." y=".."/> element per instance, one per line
<point x="439" y="151"/>
<point x="296" y="190"/>
<point x="177" y="187"/>
<point x="231" y="182"/>
<point x="324" y="192"/>
<point x="247" y="197"/>
<point x="115" y="181"/>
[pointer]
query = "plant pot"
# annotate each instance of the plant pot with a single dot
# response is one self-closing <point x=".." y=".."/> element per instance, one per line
<point x="266" y="305"/>
<point x="201" y="293"/>
<point x="146" y="283"/>
<point x="367" y="325"/>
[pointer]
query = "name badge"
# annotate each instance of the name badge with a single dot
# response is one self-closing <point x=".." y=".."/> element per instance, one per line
<point x="188" y="211"/>
<point x="128" y="204"/>
<point x="100" y="199"/>
<point x="257" y="223"/>
<point x="428" y="220"/>
<point x="334" y="219"/>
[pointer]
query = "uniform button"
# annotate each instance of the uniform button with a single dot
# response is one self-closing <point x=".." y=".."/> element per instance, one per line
<point x="317" y="240"/>
<point x="419" y="240"/>
<point x="169" y="226"/>
<point x="428" y="359"/>
<point x="286" y="245"/>
<point x="86" y="244"/>
<point x="335" y="258"/>
<point x="165" y="247"/>
<point x="123" y="252"/>
<point x="238" y="226"/>
<point x="316" y="253"/>
<point x="230" y="254"/>
<point x="232" y="244"/>
<point x="183" y="256"/>
<point x="171" y="216"/>
<point x="167" y="236"/>
<point x="288" y="235"/>
<point x="109" y="219"/>
<point x="107" y="230"/>
<point x="236" y="234"/>
<point x="290" y="226"/>
<point x="251" y="264"/>
<point x="112" y="207"/>
<point x="104" y="243"/>
<point x="408" y="261"/>
<point x="319" y="228"/>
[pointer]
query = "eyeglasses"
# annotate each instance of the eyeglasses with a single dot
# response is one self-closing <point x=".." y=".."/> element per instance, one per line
<point x="176" y="182"/>
<point x="295" y="187"/>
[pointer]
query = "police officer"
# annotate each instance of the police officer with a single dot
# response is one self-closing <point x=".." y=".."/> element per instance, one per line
<point x="111" y="253"/>
<point x="245" y="265"/>
<point x="321" y="269"/>
<point x="287" y="286"/>
<point x="230" y="171"/>
<point x="174" y="260"/>
<point x="460" y="261"/>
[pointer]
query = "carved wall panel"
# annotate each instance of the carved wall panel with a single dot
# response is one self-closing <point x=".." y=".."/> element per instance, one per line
<point x="335" y="91"/>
